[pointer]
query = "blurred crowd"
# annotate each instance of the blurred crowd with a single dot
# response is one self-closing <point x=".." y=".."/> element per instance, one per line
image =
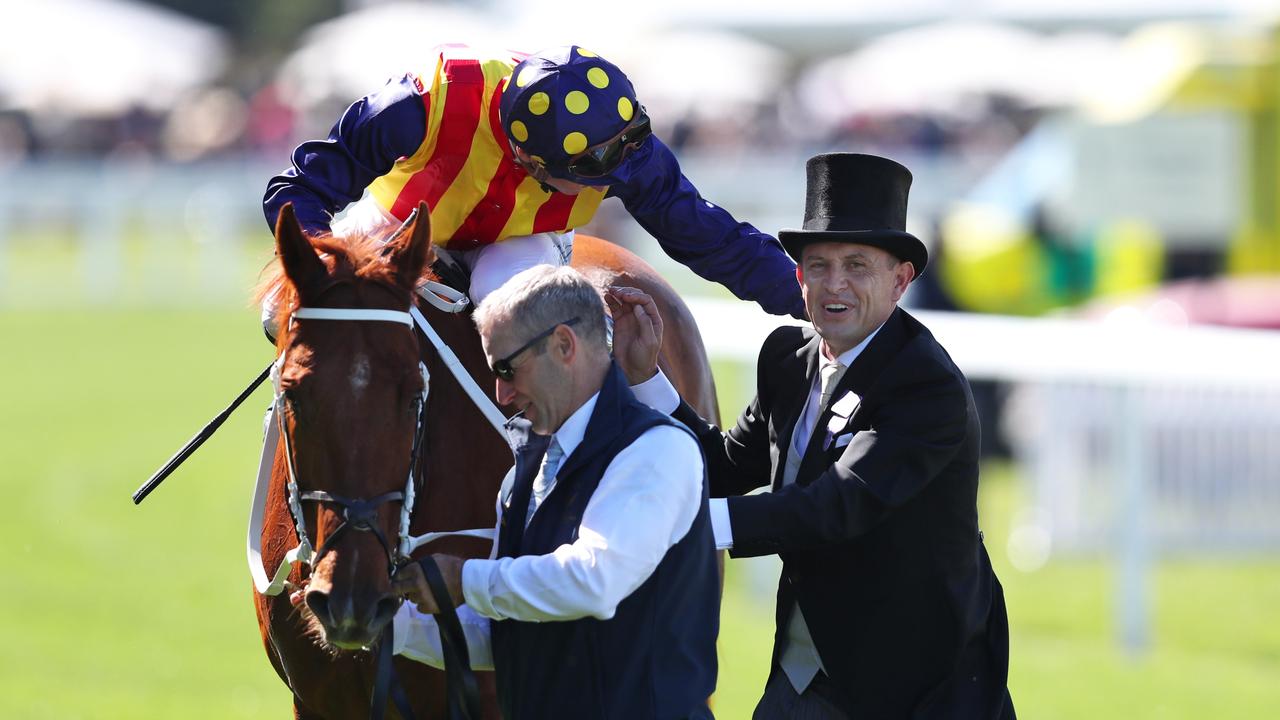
<point x="170" y="86"/>
<point x="954" y="100"/>
<point x="221" y="122"/>
<point x="209" y="122"/>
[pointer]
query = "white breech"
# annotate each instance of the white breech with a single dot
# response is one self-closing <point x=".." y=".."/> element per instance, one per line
<point x="493" y="265"/>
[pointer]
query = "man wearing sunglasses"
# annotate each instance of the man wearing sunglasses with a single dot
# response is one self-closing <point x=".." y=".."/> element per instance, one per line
<point x="512" y="153"/>
<point x="601" y="598"/>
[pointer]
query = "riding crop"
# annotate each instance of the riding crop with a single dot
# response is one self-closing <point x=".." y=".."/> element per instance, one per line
<point x="195" y="442"/>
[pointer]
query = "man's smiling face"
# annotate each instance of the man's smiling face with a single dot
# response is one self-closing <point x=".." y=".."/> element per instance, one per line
<point x="849" y="290"/>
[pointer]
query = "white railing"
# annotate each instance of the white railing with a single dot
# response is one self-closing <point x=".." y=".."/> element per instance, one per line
<point x="1138" y="440"/>
<point x="131" y="234"/>
<point x="146" y="233"/>
<point x="1107" y="415"/>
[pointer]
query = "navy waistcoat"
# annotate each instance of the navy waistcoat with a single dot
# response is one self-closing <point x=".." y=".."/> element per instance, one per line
<point x="656" y="657"/>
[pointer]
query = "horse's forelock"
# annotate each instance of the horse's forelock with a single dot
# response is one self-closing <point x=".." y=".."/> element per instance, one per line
<point x="350" y="259"/>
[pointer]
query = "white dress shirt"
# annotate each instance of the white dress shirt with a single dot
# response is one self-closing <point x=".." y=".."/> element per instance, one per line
<point x="658" y="393"/>
<point x="645" y="503"/>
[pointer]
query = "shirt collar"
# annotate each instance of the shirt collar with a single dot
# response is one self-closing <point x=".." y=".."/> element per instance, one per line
<point x="847" y="357"/>
<point x="574" y="428"/>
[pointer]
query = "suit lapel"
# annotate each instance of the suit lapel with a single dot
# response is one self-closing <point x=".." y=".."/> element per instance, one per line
<point x="797" y="379"/>
<point x="876" y="356"/>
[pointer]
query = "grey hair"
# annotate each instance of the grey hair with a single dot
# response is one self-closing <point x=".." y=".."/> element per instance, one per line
<point x="541" y="297"/>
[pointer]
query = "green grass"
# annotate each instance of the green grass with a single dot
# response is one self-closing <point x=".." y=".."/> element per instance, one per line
<point x="116" y="611"/>
<point x="111" y="610"/>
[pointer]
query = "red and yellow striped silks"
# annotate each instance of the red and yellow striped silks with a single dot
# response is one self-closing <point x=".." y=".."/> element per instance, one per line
<point x="464" y="170"/>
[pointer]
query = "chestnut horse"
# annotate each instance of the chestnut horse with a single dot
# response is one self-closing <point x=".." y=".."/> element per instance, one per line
<point x="349" y="416"/>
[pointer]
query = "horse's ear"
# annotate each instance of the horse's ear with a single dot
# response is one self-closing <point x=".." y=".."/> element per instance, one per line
<point x="410" y="248"/>
<point x="301" y="263"/>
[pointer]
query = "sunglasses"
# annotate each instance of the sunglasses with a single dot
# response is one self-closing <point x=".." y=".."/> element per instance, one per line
<point x="602" y="159"/>
<point x="502" y="366"/>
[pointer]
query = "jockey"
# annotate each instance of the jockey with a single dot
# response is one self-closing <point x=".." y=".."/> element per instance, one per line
<point x="511" y="153"/>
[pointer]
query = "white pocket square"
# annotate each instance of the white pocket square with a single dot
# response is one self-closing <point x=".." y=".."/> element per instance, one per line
<point x="845" y="406"/>
<point x="841" y="411"/>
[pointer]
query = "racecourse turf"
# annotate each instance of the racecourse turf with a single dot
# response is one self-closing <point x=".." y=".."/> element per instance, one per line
<point x="115" y="611"/>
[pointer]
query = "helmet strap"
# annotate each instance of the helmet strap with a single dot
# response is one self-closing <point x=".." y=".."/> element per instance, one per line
<point x="534" y="170"/>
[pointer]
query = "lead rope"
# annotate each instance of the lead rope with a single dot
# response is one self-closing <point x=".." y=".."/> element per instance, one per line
<point x="462" y="688"/>
<point x="387" y="682"/>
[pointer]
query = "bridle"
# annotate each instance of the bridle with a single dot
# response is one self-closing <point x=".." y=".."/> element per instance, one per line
<point x="358" y="514"/>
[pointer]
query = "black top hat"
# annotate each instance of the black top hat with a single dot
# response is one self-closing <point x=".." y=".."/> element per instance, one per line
<point x="857" y="199"/>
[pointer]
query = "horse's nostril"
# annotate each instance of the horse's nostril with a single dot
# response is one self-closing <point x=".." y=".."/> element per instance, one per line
<point x="319" y="603"/>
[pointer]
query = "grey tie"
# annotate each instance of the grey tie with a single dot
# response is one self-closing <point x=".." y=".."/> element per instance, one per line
<point x="545" y="480"/>
<point x="829" y="376"/>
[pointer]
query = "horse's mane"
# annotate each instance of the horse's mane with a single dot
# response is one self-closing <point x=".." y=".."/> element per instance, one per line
<point x="357" y="258"/>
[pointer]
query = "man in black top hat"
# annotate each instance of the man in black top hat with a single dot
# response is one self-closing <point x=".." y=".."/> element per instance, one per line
<point x="866" y="432"/>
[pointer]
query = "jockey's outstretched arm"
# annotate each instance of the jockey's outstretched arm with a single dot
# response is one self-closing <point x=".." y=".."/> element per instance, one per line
<point x="705" y="237"/>
<point x="327" y="175"/>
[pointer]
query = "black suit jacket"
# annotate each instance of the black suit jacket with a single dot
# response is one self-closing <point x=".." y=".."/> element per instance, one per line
<point x="878" y="537"/>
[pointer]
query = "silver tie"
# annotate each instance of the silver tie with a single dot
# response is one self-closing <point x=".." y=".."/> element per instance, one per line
<point x="545" y="480"/>
<point x="829" y="376"/>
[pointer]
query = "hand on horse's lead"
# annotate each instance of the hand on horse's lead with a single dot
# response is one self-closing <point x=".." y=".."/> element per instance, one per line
<point x="410" y="584"/>
<point x="637" y="332"/>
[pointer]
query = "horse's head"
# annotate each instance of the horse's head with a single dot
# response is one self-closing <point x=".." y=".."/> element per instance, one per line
<point x="351" y="394"/>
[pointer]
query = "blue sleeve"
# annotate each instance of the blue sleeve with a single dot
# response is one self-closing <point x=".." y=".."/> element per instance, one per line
<point x="705" y="237"/>
<point x="327" y="175"/>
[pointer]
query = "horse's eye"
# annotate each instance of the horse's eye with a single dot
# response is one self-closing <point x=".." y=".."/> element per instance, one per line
<point x="291" y="400"/>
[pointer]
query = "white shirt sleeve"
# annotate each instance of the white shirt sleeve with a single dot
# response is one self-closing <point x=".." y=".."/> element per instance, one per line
<point x="645" y="503"/>
<point x="720" y="526"/>
<point x="417" y="637"/>
<point x="658" y="393"/>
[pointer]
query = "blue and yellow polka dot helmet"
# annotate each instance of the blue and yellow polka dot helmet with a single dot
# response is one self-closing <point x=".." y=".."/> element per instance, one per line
<point x="563" y="100"/>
